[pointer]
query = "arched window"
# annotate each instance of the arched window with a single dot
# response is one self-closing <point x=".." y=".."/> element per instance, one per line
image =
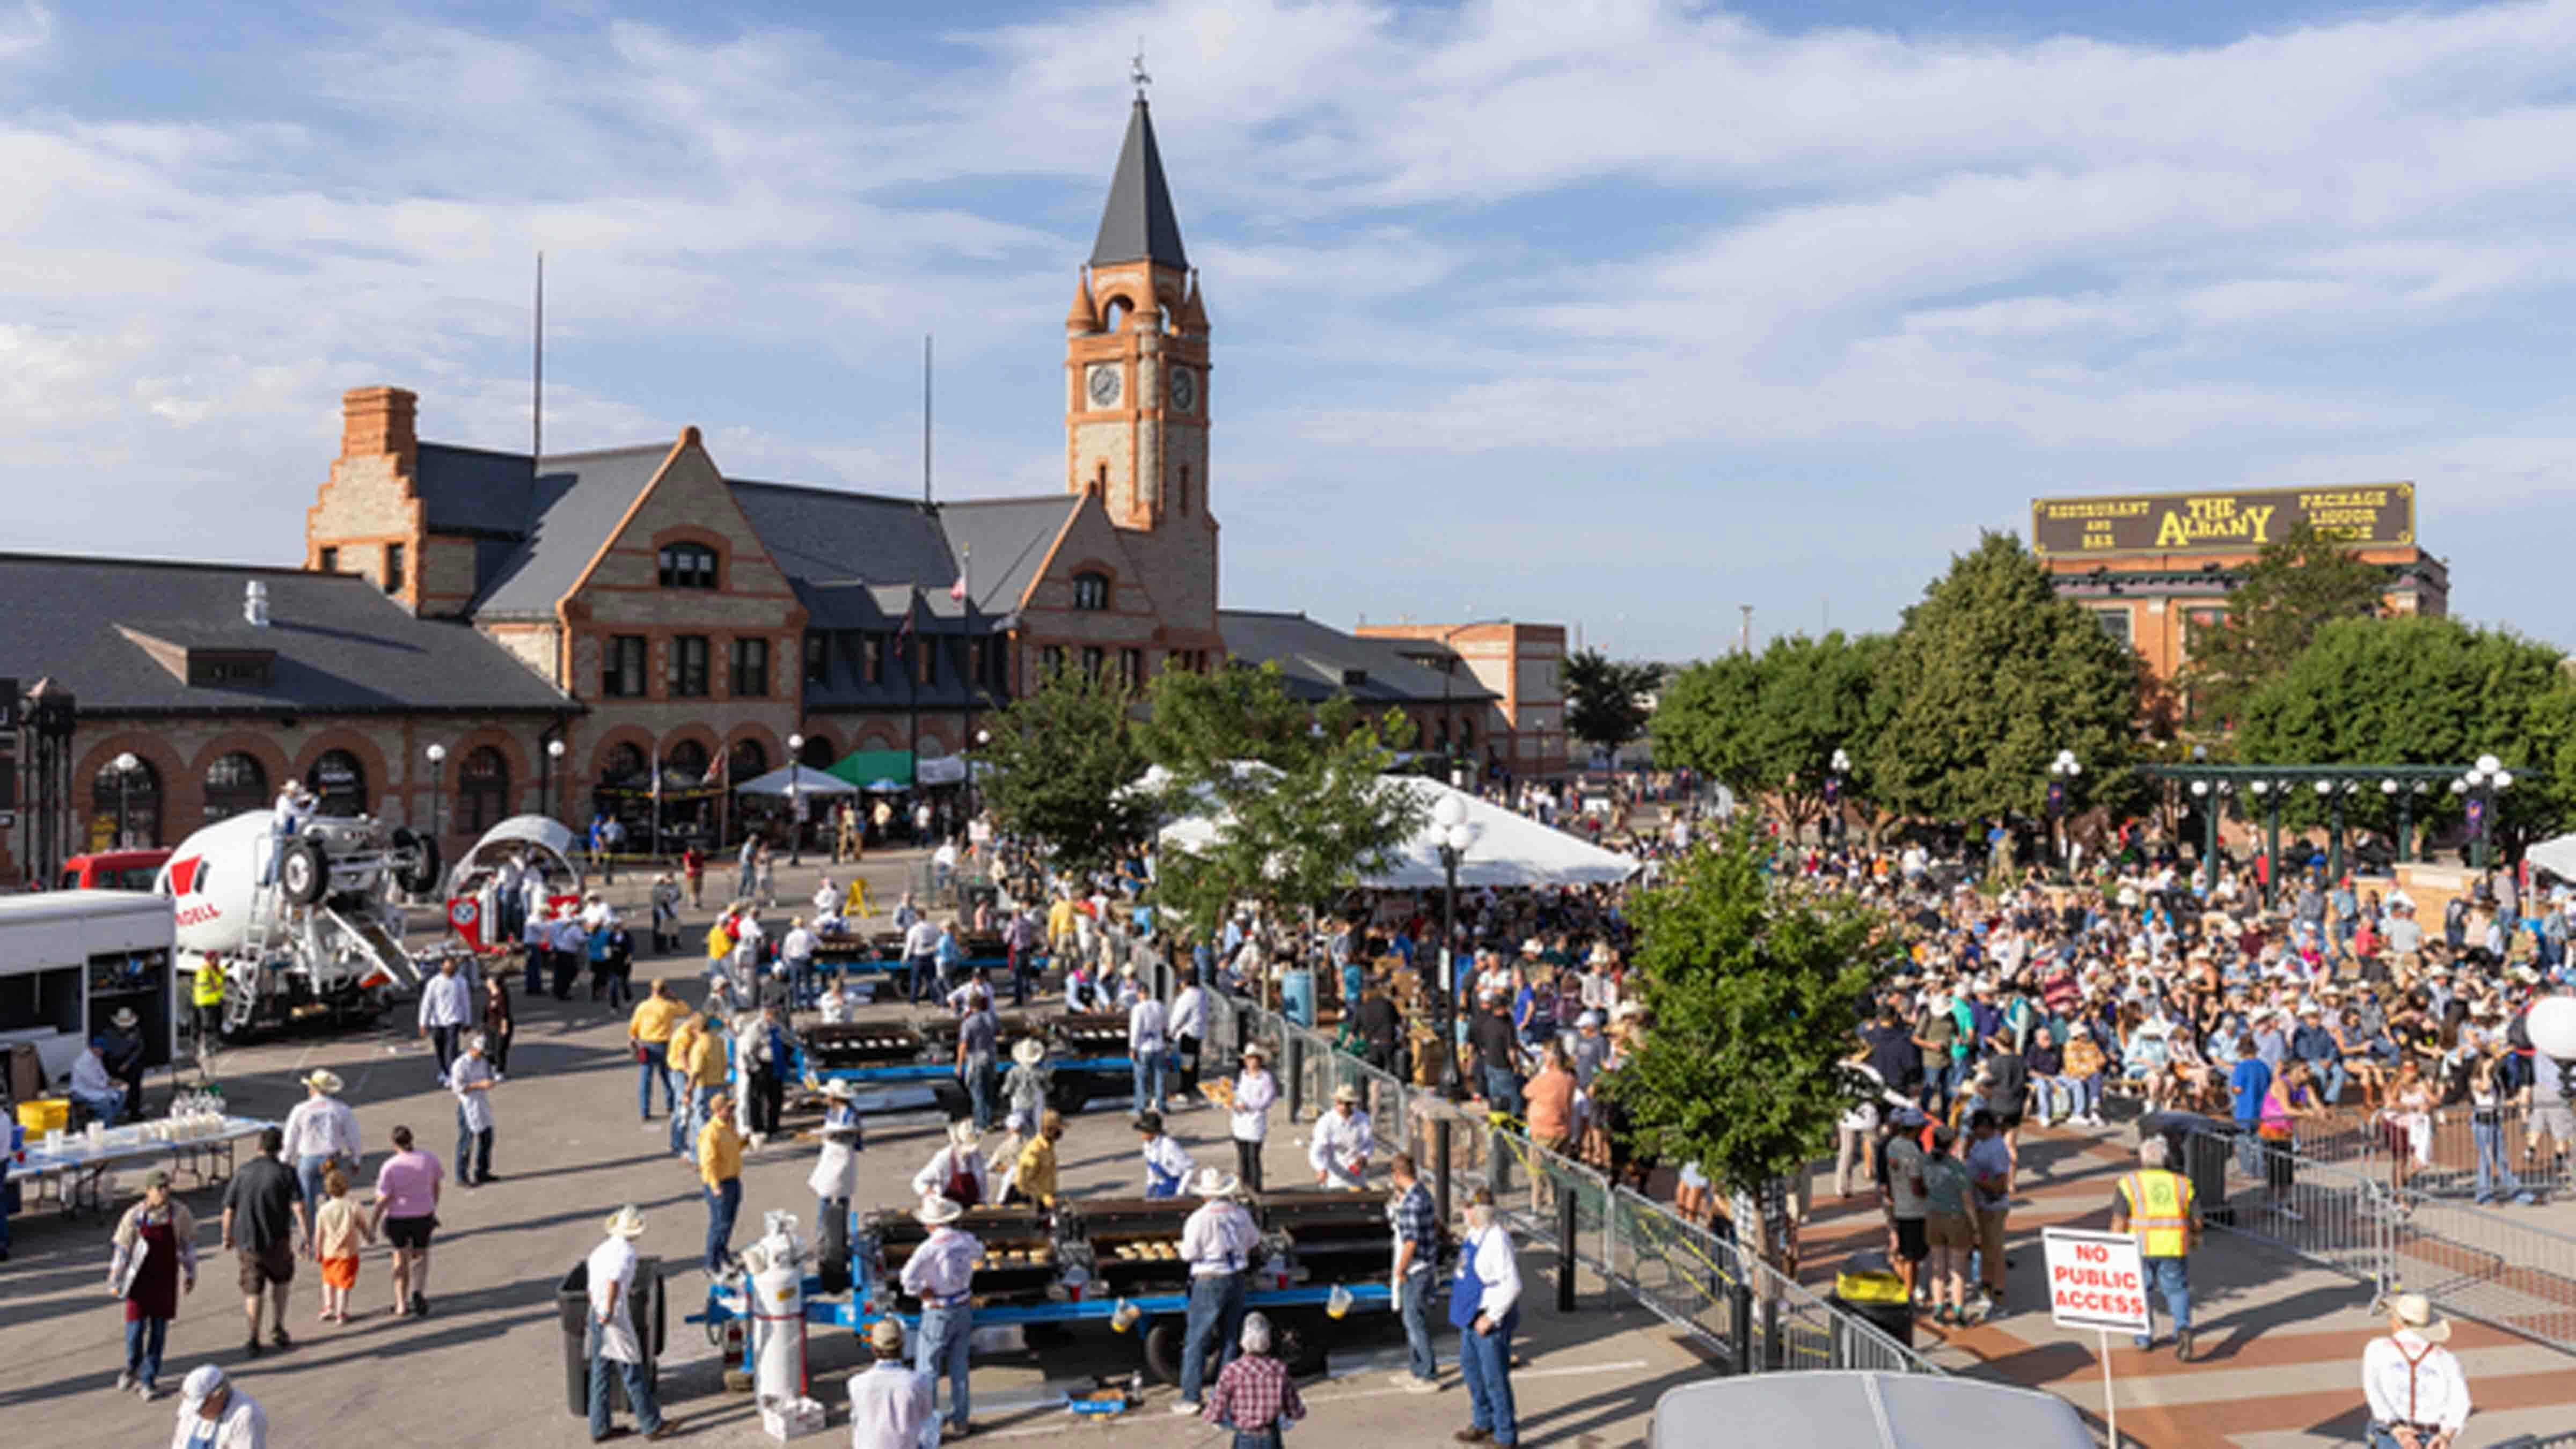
<point x="817" y="754"/>
<point x="747" y="760"/>
<point x="625" y="762"/>
<point x="684" y="766"/>
<point x="482" y="791"/>
<point x="125" y="807"/>
<point x="688" y="566"/>
<point x="235" y="784"/>
<point x="340" y="782"/>
<point x="1091" y="591"/>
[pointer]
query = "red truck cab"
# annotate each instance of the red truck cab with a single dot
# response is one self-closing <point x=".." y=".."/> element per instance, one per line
<point x="112" y="870"/>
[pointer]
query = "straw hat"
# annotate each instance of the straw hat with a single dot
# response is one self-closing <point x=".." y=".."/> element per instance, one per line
<point x="886" y="1336"/>
<point x="323" y="1080"/>
<point x="1028" y="1051"/>
<point x="626" y="1222"/>
<point x="1215" y="1182"/>
<point x="2415" y="1311"/>
<point x="963" y="1133"/>
<point x="1346" y="1093"/>
<point x="936" y="1210"/>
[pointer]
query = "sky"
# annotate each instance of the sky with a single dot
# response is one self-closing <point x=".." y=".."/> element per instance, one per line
<point x="1602" y="312"/>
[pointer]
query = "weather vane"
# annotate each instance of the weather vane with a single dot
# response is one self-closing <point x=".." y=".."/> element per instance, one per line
<point x="1136" y="69"/>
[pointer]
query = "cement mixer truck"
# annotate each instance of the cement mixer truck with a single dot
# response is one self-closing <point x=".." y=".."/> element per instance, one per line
<point x="305" y="926"/>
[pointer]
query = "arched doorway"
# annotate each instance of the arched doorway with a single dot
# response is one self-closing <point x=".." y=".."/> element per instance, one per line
<point x="482" y="791"/>
<point x="236" y="784"/>
<point x="747" y="761"/>
<point x="817" y="753"/>
<point x="687" y="797"/>
<point x="125" y="805"/>
<point x="339" y="784"/>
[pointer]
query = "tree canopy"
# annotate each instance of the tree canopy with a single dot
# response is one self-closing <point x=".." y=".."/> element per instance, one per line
<point x="1060" y="761"/>
<point x="1768" y="724"/>
<point x="2295" y="587"/>
<point x="1605" y="698"/>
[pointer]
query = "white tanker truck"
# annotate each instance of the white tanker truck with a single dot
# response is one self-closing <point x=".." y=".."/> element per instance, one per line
<point x="320" y="936"/>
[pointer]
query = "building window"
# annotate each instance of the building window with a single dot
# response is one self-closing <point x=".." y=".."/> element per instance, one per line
<point x="1054" y="658"/>
<point x="625" y="762"/>
<point x="1093" y="658"/>
<point x="1091" y="591"/>
<point x="1131" y="667"/>
<point x="818" y="658"/>
<point x="747" y="761"/>
<point x="482" y="791"/>
<point x="688" y="566"/>
<point x="394" y="554"/>
<point x="125" y="807"/>
<point x="750" y="668"/>
<point x="817" y="754"/>
<point x="235" y="785"/>
<point x="2114" y="622"/>
<point x="687" y="676"/>
<point x="685" y="767"/>
<point x="621" y="667"/>
<point x="872" y="658"/>
<point x="330" y="560"/>
<point x="340" y="782"/>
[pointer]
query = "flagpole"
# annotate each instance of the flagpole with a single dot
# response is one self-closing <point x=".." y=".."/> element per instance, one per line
<point x="974" y="656"/>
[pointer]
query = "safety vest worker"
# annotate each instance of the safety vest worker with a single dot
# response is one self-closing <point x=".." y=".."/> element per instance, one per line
<point x="2156" y="1204"/>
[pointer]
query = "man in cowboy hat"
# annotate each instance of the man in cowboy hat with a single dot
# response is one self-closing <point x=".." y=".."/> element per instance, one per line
<point x="208" y="1398"/>
<point x="121" y="1046"/>
<point x="1339" y="1150"/>
<point x="956" y="1171"/>
<point x="891" y="1403"/>
<point x="836" y="1173"/>
<point x="1249" y="1111"/>
<point x="1217" y="1242"/>
<point x="610" y="1338"/>
<point x="321" y="1133"/>
<point x="2418" y="1396"/>
<point x="941" y="1273"/>
<point x="1167" y="1163"/>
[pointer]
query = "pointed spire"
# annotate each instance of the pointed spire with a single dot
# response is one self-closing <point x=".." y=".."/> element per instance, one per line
<point x="1194" y="318"/>
<point x="1083" y="317"/>
<point x="1139" y="225"/>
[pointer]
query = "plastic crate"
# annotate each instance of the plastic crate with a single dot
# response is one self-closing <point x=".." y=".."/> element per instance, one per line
<point x="791" y="1419"/>
<point x="45" y="1114"/>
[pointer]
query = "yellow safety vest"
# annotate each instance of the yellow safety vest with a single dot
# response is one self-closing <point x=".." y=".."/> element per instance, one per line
<point x="2159" y="1211"/>
<point x="209" y="987"/>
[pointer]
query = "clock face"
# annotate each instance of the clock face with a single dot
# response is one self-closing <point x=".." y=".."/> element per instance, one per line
<point x="1185" y="389"/>
<point x="1102" y="385"/>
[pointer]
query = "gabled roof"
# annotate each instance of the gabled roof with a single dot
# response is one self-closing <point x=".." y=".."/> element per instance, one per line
<point x="1009" y="539"/>
<point x="1320" y="661"/>
<point x="578" y="501"/>
<point x="338" y="644"/>
<point x="1139" y="224"/>
<point x="475" y="490"/>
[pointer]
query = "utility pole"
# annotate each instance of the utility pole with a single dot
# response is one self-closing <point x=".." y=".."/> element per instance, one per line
<point x="1744" y="639"/>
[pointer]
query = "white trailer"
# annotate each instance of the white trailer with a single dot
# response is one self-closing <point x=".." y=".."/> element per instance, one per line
<point x="70" y="959"/>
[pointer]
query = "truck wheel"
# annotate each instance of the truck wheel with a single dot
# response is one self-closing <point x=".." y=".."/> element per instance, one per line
<point x="416" y="857"/>
<point x="303" y="875"/>
<point x="1299" y="1341"/>
<point x="1163" y="1339"/>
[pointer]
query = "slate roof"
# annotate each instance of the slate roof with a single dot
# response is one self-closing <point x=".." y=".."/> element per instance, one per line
<point x="1010" y="539"/>
<point x="1317" y="660"/>
<point x="577" y="502"/>
<point x="475" y="490"/>
<point x="1139" y="224"/>
<point x="341" y="646"/>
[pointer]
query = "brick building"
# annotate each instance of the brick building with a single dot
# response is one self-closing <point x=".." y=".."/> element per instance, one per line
<point x="1523" y="665"/>
<point x="1452" y="713"/>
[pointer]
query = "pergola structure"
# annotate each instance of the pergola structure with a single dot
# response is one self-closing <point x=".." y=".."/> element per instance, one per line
<point x="2210" y="785"/>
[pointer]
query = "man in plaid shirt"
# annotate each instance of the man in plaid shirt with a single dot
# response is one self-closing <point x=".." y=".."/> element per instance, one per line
<point x="1254" y="1395"/>
<point x="1417" y="1250"/>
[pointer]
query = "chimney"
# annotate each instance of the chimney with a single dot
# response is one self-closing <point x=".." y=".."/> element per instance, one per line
<point x="255" y="604"/>
<point x="376" y="422"/>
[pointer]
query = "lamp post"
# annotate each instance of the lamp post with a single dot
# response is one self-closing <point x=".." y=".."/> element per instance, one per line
<point x="795" y="815"/>
<point x="2061" y="779"/>
<point x="125" y="764"/>
<point x="437" y="756"/>
<point x="2486" y="779"/>
<point x="1834" y="791"/>
<point x="555" y="766"/>
<point x="974" y="791"/>
<point x="1455" y="837"/>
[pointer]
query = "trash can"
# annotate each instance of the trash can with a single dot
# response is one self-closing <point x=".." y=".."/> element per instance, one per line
<point x="1896" y="1319"/>
<point x="2198" y="1147"/>
<point x="572" y="1302"/>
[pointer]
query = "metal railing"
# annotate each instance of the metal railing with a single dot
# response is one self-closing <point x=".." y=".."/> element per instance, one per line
<point x="2488" y="1266"/>
<point x="2442" y="1154"/>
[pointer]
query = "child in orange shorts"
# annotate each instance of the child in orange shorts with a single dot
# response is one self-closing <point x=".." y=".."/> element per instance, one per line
<point x="339" y="1230"/>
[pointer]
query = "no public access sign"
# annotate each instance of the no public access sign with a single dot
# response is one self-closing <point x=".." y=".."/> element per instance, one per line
<point x="2096" y="1281"/>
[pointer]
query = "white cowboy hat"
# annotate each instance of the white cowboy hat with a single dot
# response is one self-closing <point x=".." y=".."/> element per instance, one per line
<point x="1256" y="1049"/>
<point x="2415" y="1311"/>
<point x="1346" y="1093"/>
<point x="936" y="1210"/>
<point x="1028" y="1051"/>
<point x="1533" y="946"/>
<point x="323" y="1080"/>
<point x="1215" y="1182"/>
<point x="124" y="1017"/>
<point x="201" y="1383"/>
<point x="963" y="1133"/>
<point x="626" y="1222"/>
<point x="839" y="1091"/>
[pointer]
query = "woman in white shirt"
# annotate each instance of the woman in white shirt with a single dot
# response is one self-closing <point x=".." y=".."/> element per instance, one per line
<point x="1254" y="1090"/>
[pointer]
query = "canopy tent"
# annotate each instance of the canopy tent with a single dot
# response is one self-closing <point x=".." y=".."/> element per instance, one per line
<point x="943" y="770"/>
<point x="547" y="841"/>
<point x="1853" y="1409"/>
<point x="2556" y="855"/>
<point x="871" y="768"/>
<point x="804" y="779"/>
<point x="1509" y="849"/>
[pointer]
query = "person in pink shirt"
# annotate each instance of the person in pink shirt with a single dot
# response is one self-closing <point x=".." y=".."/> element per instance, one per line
<point x="407" y="1213"/>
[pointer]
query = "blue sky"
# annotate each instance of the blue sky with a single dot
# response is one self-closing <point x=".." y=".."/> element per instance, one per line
<point x="1620" y="314"/>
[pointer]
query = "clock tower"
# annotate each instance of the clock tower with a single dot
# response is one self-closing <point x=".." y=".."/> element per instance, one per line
<point x="1136" y="392"/>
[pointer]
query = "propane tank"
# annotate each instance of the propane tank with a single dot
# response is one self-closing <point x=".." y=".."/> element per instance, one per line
<point x="776" y="1269"/>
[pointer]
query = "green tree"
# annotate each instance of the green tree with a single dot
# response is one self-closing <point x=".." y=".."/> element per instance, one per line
<point x="1753" y="994"/>
<point x="1298" y="793"/>
<point x="1605" y="699"/>
<point x="1992" y="674"/>
<point x="1818" y="696"/>
<point x="2296" y="586"/>
<point x="1061" y="759"/>
<point x="1707" y="720"/>
<point x="2418" y="691"/>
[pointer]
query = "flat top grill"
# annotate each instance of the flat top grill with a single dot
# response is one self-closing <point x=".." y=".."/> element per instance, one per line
<point x="1019" y="1250"/>
<point x="861" y="1043"/>
<point x="1090" y="1033"/>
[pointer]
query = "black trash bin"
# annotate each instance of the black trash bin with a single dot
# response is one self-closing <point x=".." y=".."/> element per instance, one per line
<point x="1896" y="1320"/>
<point x="2198" y="1147"/>
<point x="645" y="1310"/>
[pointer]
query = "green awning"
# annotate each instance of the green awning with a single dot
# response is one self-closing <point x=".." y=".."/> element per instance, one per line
<point x="866" y="767"/>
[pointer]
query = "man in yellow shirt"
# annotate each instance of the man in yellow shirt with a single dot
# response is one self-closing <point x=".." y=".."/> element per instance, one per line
<point x="720" y="1169"/>
<point x="1034" y="1176"/>
<point x="1060" y="927"/>
<point x="648" y="1032"/>
<point x="675" y="1065"/>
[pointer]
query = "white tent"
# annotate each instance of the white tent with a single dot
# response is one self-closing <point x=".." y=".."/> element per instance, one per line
<point x="2556" y="855"/>
<point x="1508" y="849"/>
<point x="807" y="781"/>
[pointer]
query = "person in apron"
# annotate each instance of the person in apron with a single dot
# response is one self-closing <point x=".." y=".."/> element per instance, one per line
<point x="1484" y="1306"/>
<point x="836" y="1173"/>
<point x="155" y="1261"/>
<point x="610" y="1342"/>
<point x="1167" y="1164"/>
<point x="956" y="1171"/>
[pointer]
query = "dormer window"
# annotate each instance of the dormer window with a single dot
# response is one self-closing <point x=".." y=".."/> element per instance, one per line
<point x="688" y="566"/>
<point x="1091" y="591"/>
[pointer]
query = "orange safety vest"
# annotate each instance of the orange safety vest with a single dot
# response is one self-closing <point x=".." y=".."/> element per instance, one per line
<point x="2160" y="1211"/>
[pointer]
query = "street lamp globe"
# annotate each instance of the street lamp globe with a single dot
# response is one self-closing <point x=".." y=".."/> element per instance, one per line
<point x="983" y="737"/>
<point x="437" y="754"/>
<point x="1449" y="814"/>
<point x="126" y="764"/>
<point x="2387" y="787"/>
<point x="2325" y="787"/>
<point x="1842" y="760"/>
<point x="2504" y="779"/>
<point x="2262" y="787"/>
<point x="2489" y="764"/>
<point x="2200" y="787"/>
<point x="554" y="749"/>
<point x="795" y="743"/>
<point x="1459" y="838"/>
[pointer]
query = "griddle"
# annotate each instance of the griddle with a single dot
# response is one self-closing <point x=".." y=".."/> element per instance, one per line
<point x="1002" y="1230"/>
